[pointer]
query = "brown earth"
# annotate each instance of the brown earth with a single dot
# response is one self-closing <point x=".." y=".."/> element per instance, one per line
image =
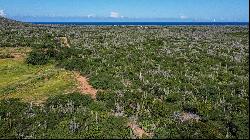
<point x="64" y="42"/>
<point x="84" y="86"/>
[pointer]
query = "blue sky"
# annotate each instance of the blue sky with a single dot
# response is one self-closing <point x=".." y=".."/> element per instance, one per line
<point x="125" y="10"/>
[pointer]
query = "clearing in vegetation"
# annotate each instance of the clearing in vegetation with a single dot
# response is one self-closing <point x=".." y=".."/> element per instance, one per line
<point x="32" y="83"/>
<point x="84" y="86"/>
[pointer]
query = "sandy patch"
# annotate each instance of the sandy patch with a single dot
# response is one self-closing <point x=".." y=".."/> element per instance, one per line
<point x="84" y="86"/>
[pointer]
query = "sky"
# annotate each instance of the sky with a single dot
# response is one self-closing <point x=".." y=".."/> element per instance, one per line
<point x="126" y="10"/>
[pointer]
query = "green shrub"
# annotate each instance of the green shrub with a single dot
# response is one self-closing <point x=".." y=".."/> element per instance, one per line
<point x="37" y="57"/>
<point x="108" y="98"/>
<point x="76" y="98"/>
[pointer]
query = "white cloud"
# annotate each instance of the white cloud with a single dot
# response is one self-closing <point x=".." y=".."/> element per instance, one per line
<point x="2" y="14"/>
<point x="114" y="15"/>
<point x="183" y="17"/>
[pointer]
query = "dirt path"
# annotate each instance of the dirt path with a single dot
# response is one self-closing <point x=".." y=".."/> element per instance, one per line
<point x="84" y="86"/>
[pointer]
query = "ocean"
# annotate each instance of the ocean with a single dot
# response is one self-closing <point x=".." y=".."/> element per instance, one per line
<point x="149" y="23"/>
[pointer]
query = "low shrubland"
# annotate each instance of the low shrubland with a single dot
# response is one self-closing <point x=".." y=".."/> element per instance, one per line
<point x="155" y="76"/>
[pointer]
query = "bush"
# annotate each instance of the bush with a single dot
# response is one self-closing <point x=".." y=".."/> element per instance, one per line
<point x="76" y="98"/>
<point x="42" y="54"/>
<point x="108" y="98"/>
<point x="37" y="57"/>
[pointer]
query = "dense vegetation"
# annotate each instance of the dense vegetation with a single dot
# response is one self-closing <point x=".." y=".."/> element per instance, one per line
<point x="65" y="116"/>
<point x="155" y="76"/>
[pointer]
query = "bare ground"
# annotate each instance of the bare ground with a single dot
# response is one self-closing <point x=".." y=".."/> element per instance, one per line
<point x="84" y="86"/>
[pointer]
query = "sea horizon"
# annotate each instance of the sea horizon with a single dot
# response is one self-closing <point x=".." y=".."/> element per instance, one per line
<point x="109" y="23"/>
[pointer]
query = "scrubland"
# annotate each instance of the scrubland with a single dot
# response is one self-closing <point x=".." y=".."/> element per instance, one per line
<point x="151" y="82"/>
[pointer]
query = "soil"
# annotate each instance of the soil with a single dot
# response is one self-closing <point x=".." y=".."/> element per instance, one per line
<point x="85" y="87"/>
<point x="64" y="42"/>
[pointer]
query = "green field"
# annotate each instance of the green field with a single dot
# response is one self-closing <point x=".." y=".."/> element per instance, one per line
<point x="32" y="83"/>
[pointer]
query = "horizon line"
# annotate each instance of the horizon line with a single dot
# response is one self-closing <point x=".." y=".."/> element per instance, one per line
<point x="120" y="19"/>
<point x="133" y="21"/>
